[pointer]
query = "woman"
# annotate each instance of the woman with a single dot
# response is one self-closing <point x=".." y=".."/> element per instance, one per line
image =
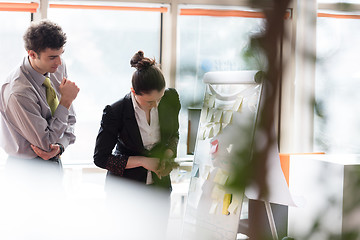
<point x="144" y="128"/>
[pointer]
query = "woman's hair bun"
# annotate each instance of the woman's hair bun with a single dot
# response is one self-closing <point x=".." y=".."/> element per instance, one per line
<point x="140" y="62"/>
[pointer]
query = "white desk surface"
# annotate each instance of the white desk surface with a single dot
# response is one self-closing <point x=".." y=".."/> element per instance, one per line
<point x="343" y="159"/>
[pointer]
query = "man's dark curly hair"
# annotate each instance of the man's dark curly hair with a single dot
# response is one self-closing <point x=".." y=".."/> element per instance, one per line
<point x="44" y="34"/>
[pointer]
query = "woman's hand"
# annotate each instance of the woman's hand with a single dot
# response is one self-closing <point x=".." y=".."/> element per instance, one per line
<point x="167" y="163"/>
<point x="161" y="168"/>
<point x="166" y="166"/>
<point x="151" y="164"/>
<point x="168" y="153"/>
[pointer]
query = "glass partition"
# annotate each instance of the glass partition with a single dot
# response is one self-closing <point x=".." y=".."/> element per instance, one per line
<point x="208" y="43"/>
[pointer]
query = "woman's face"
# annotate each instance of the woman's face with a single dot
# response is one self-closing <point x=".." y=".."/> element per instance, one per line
<point x="149" y="100"/>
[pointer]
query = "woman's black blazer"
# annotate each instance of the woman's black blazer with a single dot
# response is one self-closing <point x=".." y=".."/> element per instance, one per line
<point x="119" y="130"/>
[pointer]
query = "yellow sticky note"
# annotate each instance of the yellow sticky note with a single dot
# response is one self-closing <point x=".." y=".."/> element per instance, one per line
<point x="226" y="204"/>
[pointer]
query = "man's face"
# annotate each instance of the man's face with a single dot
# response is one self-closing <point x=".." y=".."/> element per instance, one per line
<point x="47" y="61"/>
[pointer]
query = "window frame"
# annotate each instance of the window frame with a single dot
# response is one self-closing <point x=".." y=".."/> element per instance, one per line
<point x="19" y="7"/>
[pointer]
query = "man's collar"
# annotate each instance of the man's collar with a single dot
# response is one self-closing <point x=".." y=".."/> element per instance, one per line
<point x="37" y="77"/>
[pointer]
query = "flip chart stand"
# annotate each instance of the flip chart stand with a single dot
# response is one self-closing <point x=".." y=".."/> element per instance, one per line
<point x="271" y="220"/>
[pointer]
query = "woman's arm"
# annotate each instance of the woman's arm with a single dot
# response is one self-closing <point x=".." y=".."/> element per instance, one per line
<point x="173" y="103"/>
<point x="105" y="143"/>
<point x="151" y="164"/>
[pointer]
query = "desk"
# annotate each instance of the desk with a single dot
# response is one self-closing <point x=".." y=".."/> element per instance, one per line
<point x="330" y="186"/>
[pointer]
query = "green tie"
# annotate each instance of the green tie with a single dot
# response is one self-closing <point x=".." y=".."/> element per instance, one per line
<point x="51" y="97"/>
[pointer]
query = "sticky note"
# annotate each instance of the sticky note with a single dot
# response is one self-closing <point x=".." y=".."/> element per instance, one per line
<point x="192" y="187"/>
<point x="217" y="193"/>
<point x="203" y="115"/>
<point x="233" y="206"/>
<point x="206" y="99"/>
<point x="217" y="128"/>
<point x="206" y="172"/>
<point x="214" y="146"/>
<point x="227" y="116"/>
<point x="211" y="101"/>
<point x="252" y="102"/>
<point x="209" y="133"/>
<point x="217" y="115"/>
<point x="210" y="115"/>
<point x="195" y="171"/>
<point x="202" y="132"/>
<point x="238" y="104"/>
<point x="221" y="177"/>
<point x="213" y="207"/>
<point x="226" y="203"/>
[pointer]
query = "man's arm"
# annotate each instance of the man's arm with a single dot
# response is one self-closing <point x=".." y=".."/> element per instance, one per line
<point x="24" y="113"/>
<point x="66" y="139"/>
<point x="69" y="134"/>
<point x="68" y="91"/>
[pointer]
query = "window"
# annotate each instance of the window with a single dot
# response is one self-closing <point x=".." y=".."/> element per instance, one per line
<point x="209" y="40"/>
<point x="97" y="54"/>
<point x="11" y="41"/>
<point x="337" y="119"/>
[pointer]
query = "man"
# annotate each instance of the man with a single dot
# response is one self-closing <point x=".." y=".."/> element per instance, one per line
<point x="36" y="122"/>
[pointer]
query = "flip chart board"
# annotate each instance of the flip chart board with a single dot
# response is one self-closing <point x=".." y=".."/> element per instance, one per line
<point x="231" y="100"/>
